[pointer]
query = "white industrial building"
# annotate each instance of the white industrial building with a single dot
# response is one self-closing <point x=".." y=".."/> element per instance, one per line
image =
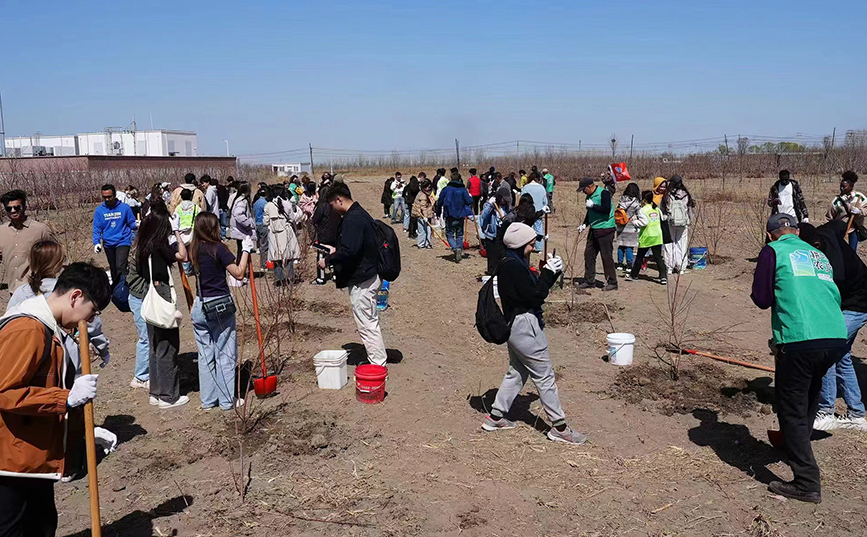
<point x="153" y="143"/>
<point x="287" y="170"/>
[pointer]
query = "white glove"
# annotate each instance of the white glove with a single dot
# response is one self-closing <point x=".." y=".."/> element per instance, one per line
<point x="97" y="248"/>
<point x="247" y="245"/>
<point x="806" y="220"/>
<point x="582" y="228"/>
<point x="590" y="204"/>
<point x="855" y="210"/>
<point x="83" y="390"/>
<point x="546" y="209"/>
<point x="664" y="217"/>
<point x="176" y="223"/>
<point x="554" y="264"/>
<point x="105" y="439"/>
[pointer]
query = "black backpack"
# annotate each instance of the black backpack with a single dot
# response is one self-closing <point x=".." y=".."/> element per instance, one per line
<point x="490" y="321"/>
<point x="388" y="264"/>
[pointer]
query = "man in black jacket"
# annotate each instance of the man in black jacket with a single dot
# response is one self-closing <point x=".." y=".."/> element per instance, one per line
<point x="786" y="197"/>
<point x="326" y="223"/>
<point x="355" y="260"/>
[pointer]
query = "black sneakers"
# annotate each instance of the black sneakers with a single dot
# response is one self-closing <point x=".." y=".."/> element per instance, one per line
<point x="790" y="491"/>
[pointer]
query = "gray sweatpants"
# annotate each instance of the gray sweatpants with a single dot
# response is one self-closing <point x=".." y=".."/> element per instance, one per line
<point x="528" y="357"/>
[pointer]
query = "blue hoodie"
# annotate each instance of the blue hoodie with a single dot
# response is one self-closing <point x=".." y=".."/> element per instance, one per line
<point x="455" y="201"/>
<point x="113" y="226"/>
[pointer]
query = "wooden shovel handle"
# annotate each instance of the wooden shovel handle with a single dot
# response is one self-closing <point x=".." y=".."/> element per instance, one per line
<point x="89" y="436"/>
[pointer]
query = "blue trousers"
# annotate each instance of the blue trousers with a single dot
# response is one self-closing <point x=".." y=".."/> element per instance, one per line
<point x="218" y="356"/>
<point x="842" y="374"/>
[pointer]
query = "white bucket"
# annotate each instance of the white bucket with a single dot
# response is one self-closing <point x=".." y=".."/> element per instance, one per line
<point x="620" y="348"/>
<point x="331" y="371"/>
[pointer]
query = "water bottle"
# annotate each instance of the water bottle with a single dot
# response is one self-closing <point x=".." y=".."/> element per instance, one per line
<point x="382" y="296"/>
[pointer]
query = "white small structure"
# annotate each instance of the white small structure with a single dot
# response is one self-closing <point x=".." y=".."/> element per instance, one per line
<point x="294" y="168"/>
<point x="111" y="142"/>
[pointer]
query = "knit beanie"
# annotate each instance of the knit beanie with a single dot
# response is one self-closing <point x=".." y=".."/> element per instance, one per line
<point x="518" y="235"/>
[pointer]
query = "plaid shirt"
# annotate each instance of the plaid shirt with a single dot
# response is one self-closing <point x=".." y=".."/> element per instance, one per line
<point x="841" y="205"/>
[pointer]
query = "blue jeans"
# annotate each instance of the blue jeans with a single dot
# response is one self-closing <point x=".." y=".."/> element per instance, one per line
<point x="455" y="232"/>
<point x="424" y="233"/>
<point x="627" y="252"/>
<point x="539" y="228"/>
<point x="844" y="373"/>
<point x="853" y="240"/>
<point x="399" y="206"/>
<point x="142" y="356"/>
<point x="218" y="357"/>
<point x="224" y="223"/>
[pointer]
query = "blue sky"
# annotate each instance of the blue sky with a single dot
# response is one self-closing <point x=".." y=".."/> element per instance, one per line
<point x="276" y="75"/>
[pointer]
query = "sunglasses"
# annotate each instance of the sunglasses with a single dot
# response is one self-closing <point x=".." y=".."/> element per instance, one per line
<point x="108" y="198"/>
<point x="14" y="208"/>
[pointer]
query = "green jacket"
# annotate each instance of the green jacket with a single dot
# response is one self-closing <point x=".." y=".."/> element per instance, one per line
<point x="549" y="182"/>
<point x="596" y="217"/>
<point x="806" y="299"/>
<point x="649" y="219"/>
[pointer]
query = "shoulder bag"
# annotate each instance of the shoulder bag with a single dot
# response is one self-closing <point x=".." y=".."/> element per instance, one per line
<point x="156" y="310"/>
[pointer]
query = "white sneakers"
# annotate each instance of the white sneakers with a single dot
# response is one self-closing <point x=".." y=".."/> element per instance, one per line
<point x="136" y="383"/>
<point x="182" y="400"/>
<point x="826" y="421"/>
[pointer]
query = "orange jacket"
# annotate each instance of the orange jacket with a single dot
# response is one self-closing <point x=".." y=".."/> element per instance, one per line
<point x="33" y="394"/>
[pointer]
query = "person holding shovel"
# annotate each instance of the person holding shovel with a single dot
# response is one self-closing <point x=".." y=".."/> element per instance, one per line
<point x="522" y="295"/>
<point x="849" y="207"/>
<point x="41" y="397"/>
<point x="213" y="312"/>
<point x="796" y="281"/>
<point x="600" y="239"/>
<point x="455" y="204"/>
<point x="422" y="211"/>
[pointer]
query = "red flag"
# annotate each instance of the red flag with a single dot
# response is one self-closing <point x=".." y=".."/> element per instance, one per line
<point x="619" y="172"/>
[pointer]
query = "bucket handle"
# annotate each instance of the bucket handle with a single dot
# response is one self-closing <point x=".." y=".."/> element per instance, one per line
<point x="620" y="347"/>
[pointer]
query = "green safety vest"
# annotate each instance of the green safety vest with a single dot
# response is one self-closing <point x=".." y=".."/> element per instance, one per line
<point x="187" y="218"/>
<point x="597" y="219"/>
<point x="806" y="299"/>
<point x="651" y="234"/>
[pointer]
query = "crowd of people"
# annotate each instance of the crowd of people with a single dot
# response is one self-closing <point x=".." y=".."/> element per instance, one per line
<point x="810" y="277"/>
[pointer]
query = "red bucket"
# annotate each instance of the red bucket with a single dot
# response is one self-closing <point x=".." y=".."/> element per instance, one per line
<point x="370" y="383"/>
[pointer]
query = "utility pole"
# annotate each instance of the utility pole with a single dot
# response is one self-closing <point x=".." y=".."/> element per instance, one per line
<point x="631" y="142"/>
<point x="311" y="159"/>
<point x="518" y="147"/>
<point x="725" y="159"/>
<point x="458" y="153"/>
<point x="579" y="146"/>
<point x="2" y="133"/>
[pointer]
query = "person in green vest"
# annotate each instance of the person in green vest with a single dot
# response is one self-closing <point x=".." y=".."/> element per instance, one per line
<point x="649" y="220"/>
<point x="796" y="282"/>
<point x="185" y="214"/>
<point x="549" y="187"/>
<point x="600" y="240"/>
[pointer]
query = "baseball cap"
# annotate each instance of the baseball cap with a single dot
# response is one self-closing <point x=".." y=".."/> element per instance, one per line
<point x="585" y="182"/>
<point x="781" y="220"/>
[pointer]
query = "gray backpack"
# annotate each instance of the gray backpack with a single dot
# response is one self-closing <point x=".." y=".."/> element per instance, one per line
<point x="679" y="212"/>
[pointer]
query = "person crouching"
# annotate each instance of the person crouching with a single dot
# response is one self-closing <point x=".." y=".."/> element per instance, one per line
<point x="522" y="295"/>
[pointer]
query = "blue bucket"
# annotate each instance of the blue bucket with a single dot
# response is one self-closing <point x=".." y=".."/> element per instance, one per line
<point x="698" y="258"/>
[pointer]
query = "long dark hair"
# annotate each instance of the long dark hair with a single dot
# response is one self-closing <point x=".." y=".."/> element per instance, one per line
<point x="205" y="231"/>
<point x="632" y="191"/>
<point x="675" y="185"/>
<point x="46" y="261"/>
<point x="526" y="210"/>
<point x="154" y="231"/>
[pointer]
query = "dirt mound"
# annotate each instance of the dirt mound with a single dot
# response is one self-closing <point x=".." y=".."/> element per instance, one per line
<point x="699" y="385"/>
<point x="581" y="312"/>
<point x="327" y="308"/>
<point x="300" y="330"/>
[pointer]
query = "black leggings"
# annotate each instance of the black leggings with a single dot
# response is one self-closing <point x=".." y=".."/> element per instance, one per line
<point x="657" y="255"/>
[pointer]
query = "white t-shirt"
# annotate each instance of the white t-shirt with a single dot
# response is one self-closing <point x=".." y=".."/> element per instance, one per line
<point x="787" y="200"/>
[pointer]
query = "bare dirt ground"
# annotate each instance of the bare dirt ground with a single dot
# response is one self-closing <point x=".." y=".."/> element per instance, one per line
<point x="664" y="458"/>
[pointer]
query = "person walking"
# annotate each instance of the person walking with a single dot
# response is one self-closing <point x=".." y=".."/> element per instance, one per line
<point x="241" y="222"/>
<point x="796" y="281"/>
<point x="627" y="233"/>
<point x="387" y="199"/>
<point x="491" y="219"/>
<point x="212" y="199"/>
<point x="849" y="206"/>
<point x="192" y="185"/>
<point x="454" y="205"/>
<point x="474" y="187"/>
<point x="153" y="250"/>
<point x="423" y="212"/>
<point x="522" y="295"/>
<point x="41" y="395"/>
<point x="259" y="202"/>
<point x="549" y="182"/>
<point x="600" y="239"/>
<point x="540" y="200"/>
<point x="355" y="260"/>
<point x="213" y="312"/>
<point x="17" y="237"/>
<point x="185" y="214"/>
<point x="113" y="224"/>
<point x="649" y="221"/>
<point x="850" y="275"/>
<point x="785" y="197"/>
<point x="399" y="202"/>
<point x="678" y="210"/>
<point x="409" y="193"/>
<point x="282" y="216"/>
<point x="326" y="223"/>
